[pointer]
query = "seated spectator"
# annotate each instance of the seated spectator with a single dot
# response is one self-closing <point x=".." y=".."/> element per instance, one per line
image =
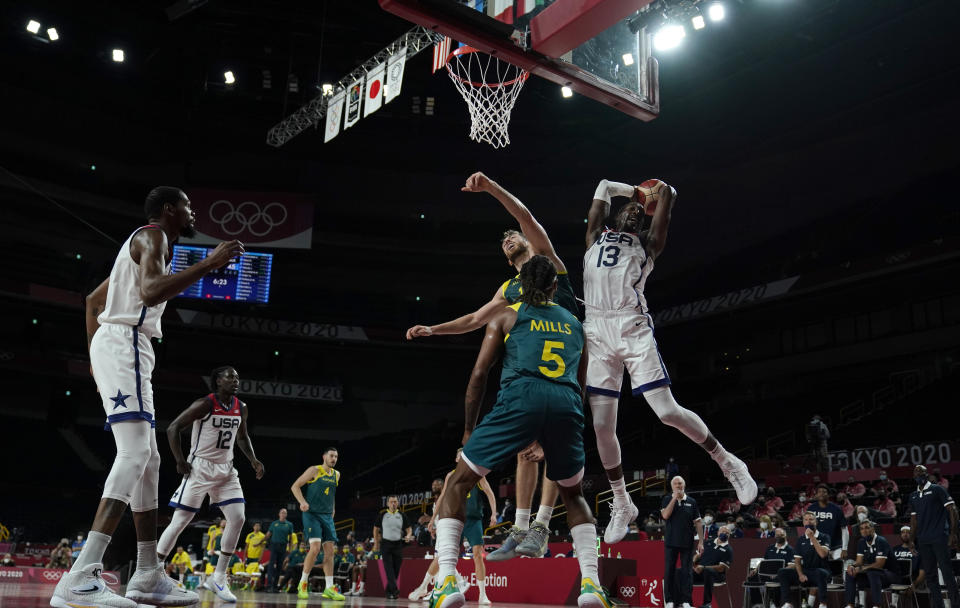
<point x="778" y="550"/>
<point x="62" y="556"/>
<point x="874" y="566"/>
<point x="734" y="527"/>
<point x="850" y="550"/>
<point x="939" y="479"/>
<point x="7" y="561"/>
<point x="180" y="563"/>
<point x="292" y="568"/>
<point x="810" y="489"/>
<point x="358" y="573"/>
<point x="77" y="545"/>
<point x="885" y="506"/>
<point x="711" y="566"/>
<point x="763" y="508"/>
<point x="766" y="527"/>
<point x="773" y="500"/>
<point x="799" y="508"/>
<point x="635" y="533"/>
<point x="854" y="489"/>
<point x="729" y="506"/>
<point x="907" y="550"/>
<point x="844" y="503"/>
<point x="778" y="521"/>
<point x="883" y="485"/>
<point x="710" y="525"/>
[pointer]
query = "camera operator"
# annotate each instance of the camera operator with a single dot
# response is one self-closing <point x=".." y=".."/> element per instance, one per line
<point x="817" y="436"/>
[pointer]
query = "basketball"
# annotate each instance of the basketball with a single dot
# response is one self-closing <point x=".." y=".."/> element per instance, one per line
<point x="647" y="195"/>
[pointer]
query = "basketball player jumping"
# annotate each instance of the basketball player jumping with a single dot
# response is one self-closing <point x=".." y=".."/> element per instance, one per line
<point x="219" y="421"/>
<point x="619" y="333"/>
<point x="123" y="313"/>
<point x="518" y="247"/>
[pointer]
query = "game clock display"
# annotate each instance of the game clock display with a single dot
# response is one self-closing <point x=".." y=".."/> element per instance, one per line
<point x="243" y="279"/>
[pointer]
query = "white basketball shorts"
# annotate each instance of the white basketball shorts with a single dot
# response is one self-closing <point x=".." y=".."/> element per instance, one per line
<point x="122" y="360"/>
<point x="218" y="480"/>
<point x="622" y="338"/>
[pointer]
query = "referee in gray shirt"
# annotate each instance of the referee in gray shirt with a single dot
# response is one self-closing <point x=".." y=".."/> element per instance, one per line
<point x="388" y="535"/>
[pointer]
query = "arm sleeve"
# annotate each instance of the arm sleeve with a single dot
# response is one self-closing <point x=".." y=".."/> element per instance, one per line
<point x="607" y="190"/>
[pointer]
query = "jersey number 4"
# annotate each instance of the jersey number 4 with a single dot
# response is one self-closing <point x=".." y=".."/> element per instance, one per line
<point x="609" y="256"/>
<point x="223" y="439"/>
<point x="552" y="357"/>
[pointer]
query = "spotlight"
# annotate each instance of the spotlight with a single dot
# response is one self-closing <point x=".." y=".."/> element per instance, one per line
<point x="228" y="77"/>
<point x="716" y="12"/>
<point x="52" y="34"/>
<point x="293" y="84"/>
<point x="566" y="91"/>
<point x="33" y="27"/>
<point x="698" y="22"/>
<point x="628" y="59"/>
<point x="118" y="55"/>
<point x="327" y="88"/>
<point x="669" y="37"/>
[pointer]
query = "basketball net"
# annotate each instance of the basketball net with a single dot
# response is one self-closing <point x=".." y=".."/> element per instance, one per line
<point x="490" y="87"/>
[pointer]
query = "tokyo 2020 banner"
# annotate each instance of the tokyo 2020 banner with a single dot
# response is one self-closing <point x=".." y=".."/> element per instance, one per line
<point x="258" y="219"/>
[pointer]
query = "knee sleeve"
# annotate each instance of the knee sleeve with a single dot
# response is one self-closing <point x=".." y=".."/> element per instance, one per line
<point x="133" y="452"/>
<point x="178" y="523"/>
<point x="672" y="414"/>
<point x="604" y="410"/>
<point x="146" y="494"/>
<point x="235" y="515"/>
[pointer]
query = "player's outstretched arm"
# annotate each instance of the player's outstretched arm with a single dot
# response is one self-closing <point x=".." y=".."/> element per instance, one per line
<point x="600" y="207"/>
<point x="464" y="324"/>
<point x="301" y="481"/>
<point x="245" y="444"/>
<point x="197" y="410"/>
<point x="657" y="238"/>
<point x="489" y="353"/>
<point x="96" y="302"/>
<point x="529" y="226"/>
<point x="149" y="250"/>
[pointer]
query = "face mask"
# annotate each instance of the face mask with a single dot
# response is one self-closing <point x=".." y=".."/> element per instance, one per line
<point x="883" y="478"/>
<point x="781" y="540"/>
<point x="708" y="519"/>
<point x="803" y="497"/>
<point x="810" y="527"/>
<point x="722" y="538"/>
<point x="763" y="525"/>
<point x="861" y="516"/>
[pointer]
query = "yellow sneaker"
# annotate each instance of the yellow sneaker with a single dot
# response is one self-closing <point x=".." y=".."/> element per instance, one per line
<point x="447" y="594"/>
<point x="302" y="592"/>
<point x="332" y="593"/>
<point x="592" y="595"/>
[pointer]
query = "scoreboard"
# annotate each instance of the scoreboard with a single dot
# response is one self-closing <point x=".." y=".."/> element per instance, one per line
<point x="245" y="278"/>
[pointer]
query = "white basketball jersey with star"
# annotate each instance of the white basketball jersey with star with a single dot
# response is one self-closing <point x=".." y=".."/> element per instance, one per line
<point x="214" y="435"/>
<point x="615" y="270"/>
<point x="124" y="304"/>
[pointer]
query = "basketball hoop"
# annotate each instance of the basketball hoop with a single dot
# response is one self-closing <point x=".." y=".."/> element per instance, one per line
<point x="490" y="87"/>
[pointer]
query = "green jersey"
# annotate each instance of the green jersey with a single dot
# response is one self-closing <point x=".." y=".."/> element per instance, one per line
<point x="475" y="502"/>
<point x="297" y="557"/>
<point x="322" y="490"/>
<point x="544" y="343"/>
<point x="564" y="295"/>
<point x="280" y="532"/>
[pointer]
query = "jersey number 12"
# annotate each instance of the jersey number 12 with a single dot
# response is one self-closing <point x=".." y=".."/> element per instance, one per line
<point x="223" y="439"/>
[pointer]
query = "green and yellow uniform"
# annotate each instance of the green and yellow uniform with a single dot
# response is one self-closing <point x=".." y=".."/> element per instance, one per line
<point x="297" y="557"/>
<point x="213" y="532"/>
<point x="182" y="559"/>
<point x="254" y="548"/>
<point x="473" y="525"/>
<point x="320" y="493"/>
<point x="539" y="396"/>
<point x="564" y="295"/>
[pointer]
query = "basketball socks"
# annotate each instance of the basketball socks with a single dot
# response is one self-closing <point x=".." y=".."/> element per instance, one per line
<point x="449" y="531"/>
<point x="147" y="555"/>
<point x="619" y="487"/>
<point x="544" y="514"/>
<point x="222" y="563"/>
<point x="304" y="576"/>
<point x="585" y="544"/>
<point x="719" y="454"/>
<point x="811" y="600"/>
<point x="93" y="550"/>
<point x="523" y="519"/>
<point x="329" y="582"/>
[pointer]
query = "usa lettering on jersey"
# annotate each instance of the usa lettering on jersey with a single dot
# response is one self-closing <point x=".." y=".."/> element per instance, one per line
<point x="215" y="434"/>
<point x="615" y="270"/>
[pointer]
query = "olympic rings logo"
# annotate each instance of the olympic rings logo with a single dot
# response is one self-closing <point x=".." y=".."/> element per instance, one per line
<point x="53" y="575"/>
<point x="247" y="216"/>
<point x="628" y="591"/>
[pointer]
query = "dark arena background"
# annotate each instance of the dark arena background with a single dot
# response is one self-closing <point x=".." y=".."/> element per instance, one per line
<point x="812" y="268"/>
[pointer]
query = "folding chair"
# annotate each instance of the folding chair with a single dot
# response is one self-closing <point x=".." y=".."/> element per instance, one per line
<point x="906" y="578"/>
<point x="767" y="571"/>
<point x="341" y="576"/>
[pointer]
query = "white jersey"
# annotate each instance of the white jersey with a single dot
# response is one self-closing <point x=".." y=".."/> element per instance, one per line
<point x="124" y="305"/>
<point x="615" y="270"/>
<point x="213" y="435"/>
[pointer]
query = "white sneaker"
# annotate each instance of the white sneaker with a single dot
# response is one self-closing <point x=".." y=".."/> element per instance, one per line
<point x="620" y="518"/>
<point x="484" y="600"/>
<point x="686" y="605"/>
<point x="462" y="583"/>
<point x="737" y="473"/>
<point x="420" y="593"/>
<point x="154" y="587"/>
<point x="85" y="588"/>
<point x="220" y="587"/>
<point x="668" y="605"/>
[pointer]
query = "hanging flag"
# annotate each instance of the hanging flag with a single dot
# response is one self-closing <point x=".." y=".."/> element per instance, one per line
<point x="334" y="116"/>
<point x="501" y="10"/>
<point x="525" y="6"/>
<point x="374" y="96"/>
<point x="394" y="75"/>
<point x="441" y="50"/>
<point x="354" y="97"/>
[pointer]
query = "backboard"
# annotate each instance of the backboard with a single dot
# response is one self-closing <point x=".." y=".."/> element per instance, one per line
<point x="590" y="46"/>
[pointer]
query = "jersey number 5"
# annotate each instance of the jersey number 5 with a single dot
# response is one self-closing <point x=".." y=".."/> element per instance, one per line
<point x="550" y="356"/>
<point x="612" y="256"/>
<point x="223" y="439"/>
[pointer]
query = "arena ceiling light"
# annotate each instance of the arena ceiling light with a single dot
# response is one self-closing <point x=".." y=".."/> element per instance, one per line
<point x="327" y="88"/>
<point x="716" y="12"/>
<point x="627" y="59"/>
<point x="669" y="37"/>
<point x="118" y="55"/>
<point x="228" y="77"/>
<point x="698" y="22"/>
<point x="566" y="91"/>
<point x="33" y="26"/>
<point x="52" y="34"/>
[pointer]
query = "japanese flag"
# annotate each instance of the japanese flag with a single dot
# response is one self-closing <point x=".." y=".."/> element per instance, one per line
<point x="374" y="96"/>
<point x="394" y="75"/>
<point x="334" y="116"/>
